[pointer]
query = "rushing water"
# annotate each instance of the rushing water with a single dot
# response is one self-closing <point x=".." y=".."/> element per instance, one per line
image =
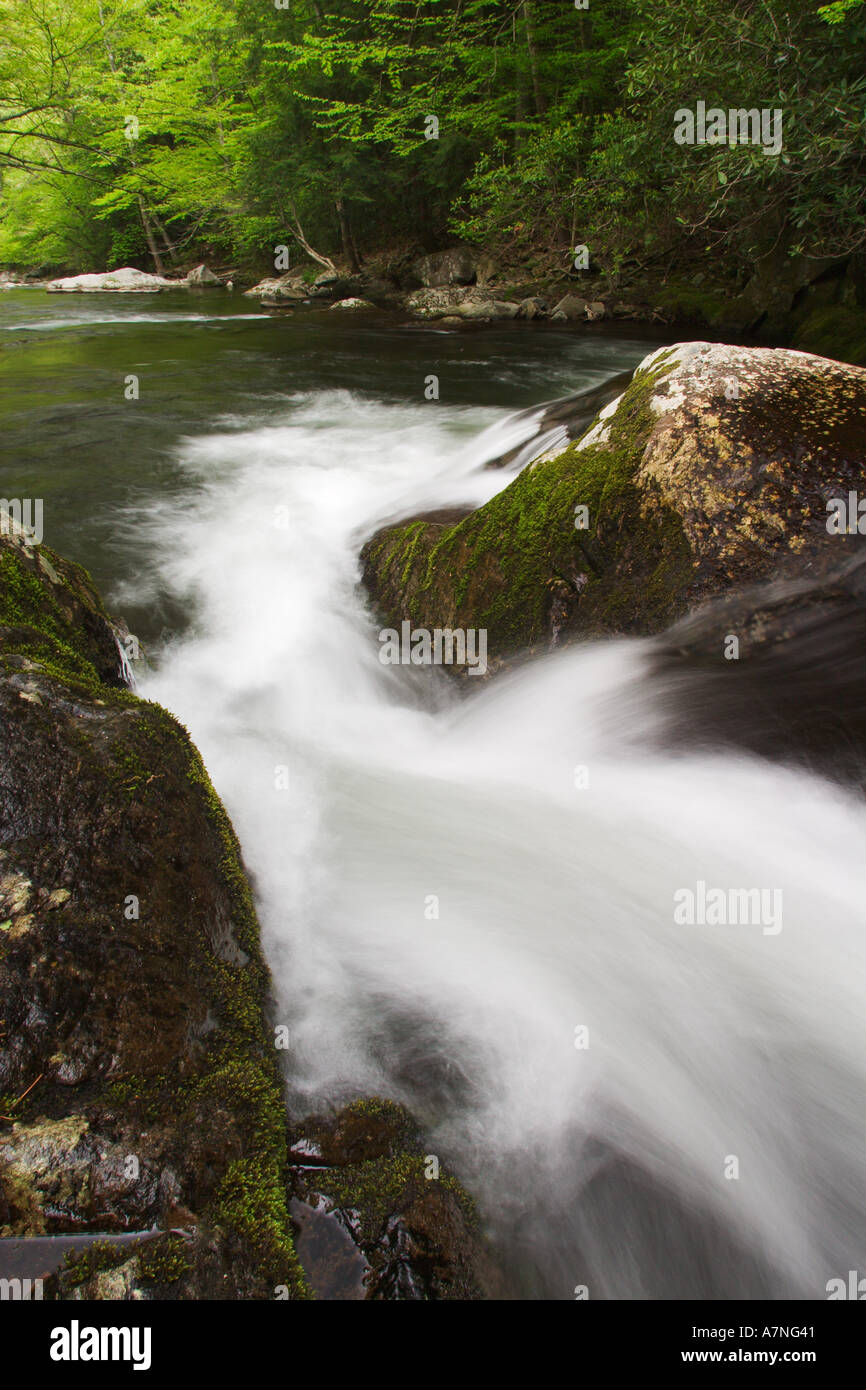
<point x="449" y="913"/>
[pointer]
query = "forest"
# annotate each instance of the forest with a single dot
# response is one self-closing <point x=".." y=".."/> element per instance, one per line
<point x="154" y="133"/>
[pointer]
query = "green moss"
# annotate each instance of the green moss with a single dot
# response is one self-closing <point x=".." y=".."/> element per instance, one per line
<point x="39" y="627"/>
<point x="163" y="1260"/>
<point x="81" y="1265"/>
<point x="687" y="301"/>
<point x="836" y="331"/>
<point x="414" y="535"/>
<point x="252" y="1202"/>
<point x="150" y="1097"/>
<point x="496" y="568"/>
<point x="129" y="770"/>
<point x="388" y="1114"/>
<point x="231" y="864"/>
<point x="382" y="1186"/>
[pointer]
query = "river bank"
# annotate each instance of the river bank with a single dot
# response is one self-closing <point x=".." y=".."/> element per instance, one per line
<point x="809" y="304"/>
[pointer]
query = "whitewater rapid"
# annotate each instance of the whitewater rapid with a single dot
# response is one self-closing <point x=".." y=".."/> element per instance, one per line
<point x="467" y="904"/>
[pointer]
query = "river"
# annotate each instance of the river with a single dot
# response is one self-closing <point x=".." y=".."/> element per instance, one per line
<point x="452" y="916"/>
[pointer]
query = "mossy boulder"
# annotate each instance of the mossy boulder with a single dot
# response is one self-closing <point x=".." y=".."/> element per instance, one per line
<point x="139" y="1086"/>
<point x="712" y="468"/>
<point x="51" y="611"/>
<point x="411" y="1220"/>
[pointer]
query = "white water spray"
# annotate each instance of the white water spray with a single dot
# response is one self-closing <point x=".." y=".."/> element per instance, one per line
<point x="445" y="905"/>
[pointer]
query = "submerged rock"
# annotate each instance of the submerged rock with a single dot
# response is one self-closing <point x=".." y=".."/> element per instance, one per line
<point x="138" y="1079"/>
<point x="713" y="469"/>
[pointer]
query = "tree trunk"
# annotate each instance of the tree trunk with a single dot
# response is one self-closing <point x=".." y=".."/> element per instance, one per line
<point x="540" y="105"/>
<point x="349" y="250"/>
<point x="149" y="237"/>
<point x="355" y="252"/>
<point x="166" y="240"/>
<point x="298" y="234"/>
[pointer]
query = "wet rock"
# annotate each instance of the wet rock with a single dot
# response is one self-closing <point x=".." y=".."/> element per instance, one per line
<point x="712" y="470"/>
<point x="138" y="1079"/>
<point x="563" y="420"/>
<point x="412" y="1223"/>
<point x="796" y="693"/>
<point x="168" y="1265"/>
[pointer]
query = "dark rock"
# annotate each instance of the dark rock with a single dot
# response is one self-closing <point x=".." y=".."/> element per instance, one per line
<point x="138" y="1076"/>
<point x="571" y="306"/>
<point x="532" y="308"/>
<point x="328" y="286"/>
<point x="379" y="288"/>
<point x="796" y="693"/>
<point x="413" y="1223"/>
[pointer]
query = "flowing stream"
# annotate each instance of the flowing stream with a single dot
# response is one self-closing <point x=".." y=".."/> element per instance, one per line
<point x="467" y="900"/>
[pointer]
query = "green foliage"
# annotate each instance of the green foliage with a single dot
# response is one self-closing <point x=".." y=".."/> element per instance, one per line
<point x="256" y="125"/>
